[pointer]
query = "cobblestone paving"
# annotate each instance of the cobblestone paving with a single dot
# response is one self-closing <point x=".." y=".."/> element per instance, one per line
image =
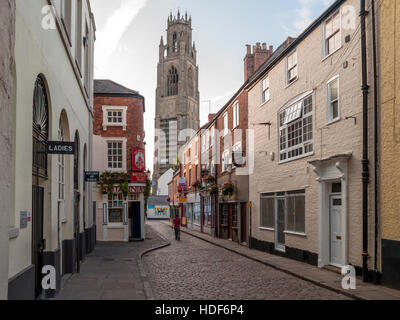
<point x="195" y="269"/>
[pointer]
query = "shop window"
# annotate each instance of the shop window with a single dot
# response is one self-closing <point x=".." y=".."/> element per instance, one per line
<point x="267" y="216"/>
<point x="115" y="208"/>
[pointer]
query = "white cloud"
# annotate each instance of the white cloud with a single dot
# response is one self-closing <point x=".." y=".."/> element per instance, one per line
<point x="305" y="15"/>
<point x="109" y="38"/>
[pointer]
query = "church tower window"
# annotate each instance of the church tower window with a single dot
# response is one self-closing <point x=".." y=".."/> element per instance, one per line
<point x="173" y="79"/>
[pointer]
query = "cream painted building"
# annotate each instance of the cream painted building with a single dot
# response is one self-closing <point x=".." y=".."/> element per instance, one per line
<point x="306" y="109"/>
<point x="51" y="221"/>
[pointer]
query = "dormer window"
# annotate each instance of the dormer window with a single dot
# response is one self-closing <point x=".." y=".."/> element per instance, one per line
<point x="114" y="116"/>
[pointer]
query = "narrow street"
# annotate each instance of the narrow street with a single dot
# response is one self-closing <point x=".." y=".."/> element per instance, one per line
<point x="194" y="269"/>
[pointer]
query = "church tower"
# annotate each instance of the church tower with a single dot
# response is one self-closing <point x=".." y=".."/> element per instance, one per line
<point x="177" y="94"/>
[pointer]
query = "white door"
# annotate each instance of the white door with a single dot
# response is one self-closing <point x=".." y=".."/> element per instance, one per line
<point x="336" y="231"/>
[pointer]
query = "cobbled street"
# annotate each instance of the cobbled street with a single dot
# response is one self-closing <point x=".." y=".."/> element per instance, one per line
<point x="194" y="269"/>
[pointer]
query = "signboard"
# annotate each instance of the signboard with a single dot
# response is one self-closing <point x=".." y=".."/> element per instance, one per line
<point x="60" y="147"/>
<point x="138" y="177"/>
<point x="182" y="199"/>
<point x="92" y="176"/>
<point x="132" y="189"/>
<point x="138" y="159"/>
<point x="23" y="222"/>
<point x="182" y="185"/>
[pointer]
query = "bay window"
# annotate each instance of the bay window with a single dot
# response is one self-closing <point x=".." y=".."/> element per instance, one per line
<point x="296" y="130"/>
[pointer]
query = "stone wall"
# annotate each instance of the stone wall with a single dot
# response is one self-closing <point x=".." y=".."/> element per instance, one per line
<point x="7" y="100"/>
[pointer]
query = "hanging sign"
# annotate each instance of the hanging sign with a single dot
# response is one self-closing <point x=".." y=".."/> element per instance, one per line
<point x="92" y="176"/>
<point x="138" y="159"/>
<point x="60" y="147"/>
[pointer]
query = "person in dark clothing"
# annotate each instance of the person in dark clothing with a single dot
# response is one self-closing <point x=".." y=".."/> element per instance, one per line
<point x="177" y="226"/>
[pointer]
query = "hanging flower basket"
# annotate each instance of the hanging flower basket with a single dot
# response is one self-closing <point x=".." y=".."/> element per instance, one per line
<point x="213" y="190"/>
<point x="197" y="185"/>
<point x="209" y="180"/>
<point x="228" y="189"/>
<point x="109" y="179"/>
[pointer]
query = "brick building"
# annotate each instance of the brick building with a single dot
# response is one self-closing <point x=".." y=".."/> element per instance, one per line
<point x="119" y="154"/>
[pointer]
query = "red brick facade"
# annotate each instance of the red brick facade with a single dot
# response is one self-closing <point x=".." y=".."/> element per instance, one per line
<point x="134" y="122"/>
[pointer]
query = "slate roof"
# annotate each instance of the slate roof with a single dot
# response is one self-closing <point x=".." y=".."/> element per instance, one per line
<point x="111" y="87"/>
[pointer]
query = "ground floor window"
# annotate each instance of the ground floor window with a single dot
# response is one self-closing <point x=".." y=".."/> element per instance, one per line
<point x="115" y="208"/>
<point x="294" y="207"/>
<point x="196" y="213"/>
<point x="225" y="216"/>
<point x="235" y="223"/>
<point x="207" y="211"/>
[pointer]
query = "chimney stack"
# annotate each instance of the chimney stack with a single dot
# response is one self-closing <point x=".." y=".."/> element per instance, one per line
<point x="254" y="60"/>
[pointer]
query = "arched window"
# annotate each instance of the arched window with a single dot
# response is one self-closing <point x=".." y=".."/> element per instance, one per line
<point x="61" y="165"/>
<point x="40" y="129"/>
<point x="172" y="82"/>
<point x="174" y="42"/>
<point x="190" y="83"/>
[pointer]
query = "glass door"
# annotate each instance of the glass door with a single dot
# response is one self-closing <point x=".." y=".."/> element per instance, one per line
<point x="280" y="224"/>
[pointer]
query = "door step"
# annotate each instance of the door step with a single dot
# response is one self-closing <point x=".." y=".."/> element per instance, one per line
<point x="333" y="269"/>
<point x="135" y="240"/>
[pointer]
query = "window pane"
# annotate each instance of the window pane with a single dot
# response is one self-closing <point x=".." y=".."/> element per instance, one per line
<point x="334" y="90"/>
<point x="268" y="213"/>
<point x="290" y="214"/>
<point x="335" y="110"/>
<point x="300" y="214"/>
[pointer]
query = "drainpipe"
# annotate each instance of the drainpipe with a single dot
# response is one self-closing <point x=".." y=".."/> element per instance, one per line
<point x="376" y="136"/>
<point x="365" y="160"/>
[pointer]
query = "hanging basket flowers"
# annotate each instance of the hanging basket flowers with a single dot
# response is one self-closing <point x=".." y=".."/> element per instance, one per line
<point x="228" y="189"/>
<point x="209" y="179"/>
<point x="213" y="190"/>
<point x="197" y="185"/>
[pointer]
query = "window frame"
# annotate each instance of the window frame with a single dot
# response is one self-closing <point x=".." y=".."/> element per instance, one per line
<point x="116" y="140"/>
<point x="236" y="115"/>
<point x="106" y="123"/>
<point x="325" y="41"/>
<point x="264" y="90"/>
<point x="235" y="146"/>
<point x="289" y="81"/>
<point x="284" y="128"/>
<point x="225" y="120"/>
<point x="329" y="118"/>
<point x="112" y="207"/>
<point x="226" y="161"/>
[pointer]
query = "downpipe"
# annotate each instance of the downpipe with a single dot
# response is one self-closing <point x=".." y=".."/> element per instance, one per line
<point x="365" y="160"/>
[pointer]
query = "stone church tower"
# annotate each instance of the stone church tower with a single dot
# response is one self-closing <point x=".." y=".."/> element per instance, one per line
<point x="177" y="94"/>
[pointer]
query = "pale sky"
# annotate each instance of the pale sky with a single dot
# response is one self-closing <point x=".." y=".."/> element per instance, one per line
<point x="129" y="33"/>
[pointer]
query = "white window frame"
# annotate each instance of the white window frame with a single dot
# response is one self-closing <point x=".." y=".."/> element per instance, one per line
<point x="329" y="101"/>
<point x="107" y="109"/>
<point x="117" y="140"/>
<point x="325" y="45"/>
<point x="226" y="123"/>
<point x="295" y="66"/>
<point x="237" y="146"/>
<point x="236" y="114"/>
<point x="115" y="208"/>
<point x="265" y="88"/>
<point x="226" y="160"/>
<point x="284" y="128"/>
<point x="212" y="134"/>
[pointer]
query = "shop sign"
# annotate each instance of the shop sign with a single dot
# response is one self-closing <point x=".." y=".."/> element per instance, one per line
<point x="183" y="199"/>
<point x="182" y="185"/>
<point x="138" y="159"/>
<point x="92" y="176"/>
<point x="132" y="189"/>
<point x="60" y="147"/>
<point x="138" y="177"/>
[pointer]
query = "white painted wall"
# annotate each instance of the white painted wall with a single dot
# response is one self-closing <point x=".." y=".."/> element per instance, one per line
<point x="162" y="183"/>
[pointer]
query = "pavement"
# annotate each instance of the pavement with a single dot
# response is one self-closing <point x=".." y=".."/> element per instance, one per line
<point x="114" y="271"/>
<point x="323" y="278"/>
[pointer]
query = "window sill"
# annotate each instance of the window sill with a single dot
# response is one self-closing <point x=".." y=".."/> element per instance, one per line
<point x="331" y="54"/>
<point x="264" y="103"/>
<point x="296" y="233"/>
<point x="289" y="84"/>
<point x="266" y="229"/>
<point x="297" y="158"/>
<point x="328" y="123"/>
<point x="115" y="225"/>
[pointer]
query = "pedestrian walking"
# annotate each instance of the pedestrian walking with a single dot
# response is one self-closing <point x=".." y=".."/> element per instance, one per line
<point x="177" y="226"/>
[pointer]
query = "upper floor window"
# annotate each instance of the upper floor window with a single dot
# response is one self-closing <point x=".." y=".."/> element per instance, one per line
<point x="114" y="155"/>
<point x="237" y="155"/>
<point x="296" y="130"/>
<point x="265" y="90"/>
<point x="291" y="67"/>
<point x="332" y="34"/>
<point x="235" y="114"/>
<point x="174" y="42"/>
<point x="79" y="36"/>
<point x="212" y="133"/>
<point x="190" y="82"/>
<point x="226" y="128"/>
<point x="225" y="160"/>
<point x="333" y="99"/>
<point x="172" y="82"/>
<point x="66" y="18"/>
<point x="114" y="116"/>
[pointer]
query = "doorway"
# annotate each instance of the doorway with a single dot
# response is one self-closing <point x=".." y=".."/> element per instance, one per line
<point x="135" y="232"/>
<point x="280" y="224"/>
<point x="37" y="236"/>
<point x="336" y="232"/>
<point x="244" y="224"/>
